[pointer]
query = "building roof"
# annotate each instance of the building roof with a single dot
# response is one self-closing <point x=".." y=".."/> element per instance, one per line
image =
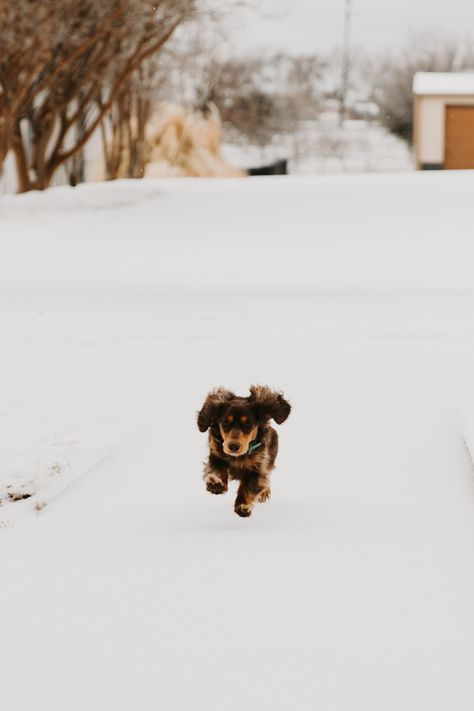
<point x="443" y="83"/>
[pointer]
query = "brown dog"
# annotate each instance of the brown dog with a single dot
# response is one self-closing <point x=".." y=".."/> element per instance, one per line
<point x="242" y="443"/>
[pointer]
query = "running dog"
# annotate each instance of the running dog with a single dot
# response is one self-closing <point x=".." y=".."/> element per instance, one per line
<point x="242" y="443"/>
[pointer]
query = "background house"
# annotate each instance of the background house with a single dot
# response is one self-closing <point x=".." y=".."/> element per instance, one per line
<point x="444" y="120"/>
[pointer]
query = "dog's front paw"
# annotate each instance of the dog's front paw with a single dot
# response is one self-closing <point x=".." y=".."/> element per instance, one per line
<point x="215" y="486"/>
<point x="243" y="510"/>
<point x="264" y="495"/>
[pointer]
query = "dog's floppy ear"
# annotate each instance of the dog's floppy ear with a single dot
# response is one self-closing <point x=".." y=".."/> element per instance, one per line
<point x="212" y="404"/>
<point x="270" y="404"/>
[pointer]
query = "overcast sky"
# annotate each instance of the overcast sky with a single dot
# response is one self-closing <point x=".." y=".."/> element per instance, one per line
<point x="312" y="25"/>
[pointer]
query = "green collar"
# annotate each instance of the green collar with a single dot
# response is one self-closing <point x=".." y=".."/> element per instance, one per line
<point x="253" y="446"/>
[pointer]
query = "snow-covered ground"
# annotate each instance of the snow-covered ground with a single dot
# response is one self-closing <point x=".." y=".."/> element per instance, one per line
<point x="124" y="585"/>
<point x="323" y="146"/>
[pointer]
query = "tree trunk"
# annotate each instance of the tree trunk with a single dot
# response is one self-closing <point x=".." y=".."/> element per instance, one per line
<point x="18" y="147"/>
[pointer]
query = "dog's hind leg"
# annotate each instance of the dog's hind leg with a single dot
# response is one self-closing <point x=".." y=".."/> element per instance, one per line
<point x="216" y="476"/>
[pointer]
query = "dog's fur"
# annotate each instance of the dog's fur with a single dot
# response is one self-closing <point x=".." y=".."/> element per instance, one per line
<point x="234" y="423"/>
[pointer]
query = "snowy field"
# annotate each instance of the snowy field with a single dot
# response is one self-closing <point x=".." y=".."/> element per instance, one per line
<point x="124" y="585"/>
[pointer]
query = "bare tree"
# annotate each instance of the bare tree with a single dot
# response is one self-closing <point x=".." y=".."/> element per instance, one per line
<point x="124" y="129"/>
<point x="24" y="51"/>
<point x="87" y="53"/>
<point x="257" y="96"/>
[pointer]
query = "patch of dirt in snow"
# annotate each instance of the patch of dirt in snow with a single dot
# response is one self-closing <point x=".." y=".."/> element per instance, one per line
<point x="35" y="468"/>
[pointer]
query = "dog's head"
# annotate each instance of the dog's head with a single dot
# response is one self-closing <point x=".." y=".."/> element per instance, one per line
<point x="238" y="418"/>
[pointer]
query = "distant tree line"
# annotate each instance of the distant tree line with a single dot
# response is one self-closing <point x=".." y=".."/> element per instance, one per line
<point x="259" y="96"/>
<point x="263" y="94"/>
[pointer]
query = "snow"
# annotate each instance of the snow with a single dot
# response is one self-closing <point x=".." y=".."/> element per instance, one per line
<point x="323" y="146"/>
<point x="124" y="584"/>
<point x="450" y="83"/>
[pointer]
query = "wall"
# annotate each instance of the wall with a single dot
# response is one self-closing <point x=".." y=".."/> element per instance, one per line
<point x="429" y="127"/>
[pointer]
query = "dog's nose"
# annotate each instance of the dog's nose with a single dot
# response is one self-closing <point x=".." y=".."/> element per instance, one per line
<point x="234" y="447"/>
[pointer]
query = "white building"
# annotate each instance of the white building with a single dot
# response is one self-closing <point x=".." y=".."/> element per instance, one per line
<point x="443" y="120"/>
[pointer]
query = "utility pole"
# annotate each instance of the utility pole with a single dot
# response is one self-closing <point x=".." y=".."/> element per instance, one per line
<point x="346" y="61"/>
